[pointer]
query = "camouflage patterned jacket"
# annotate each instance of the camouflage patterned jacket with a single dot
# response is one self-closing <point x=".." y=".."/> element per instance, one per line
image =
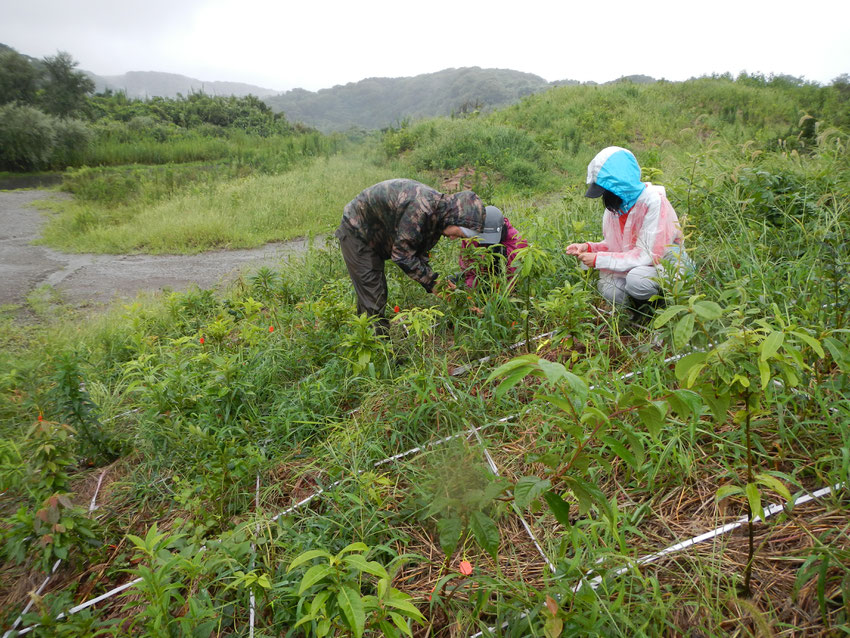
<point x="402" y="220"/>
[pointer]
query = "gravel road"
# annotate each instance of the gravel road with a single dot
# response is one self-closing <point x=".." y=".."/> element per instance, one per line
<point x="89" y="280"/>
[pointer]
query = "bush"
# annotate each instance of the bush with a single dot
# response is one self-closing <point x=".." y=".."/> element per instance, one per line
<point x="73" y="138"/>
<point x="523" y="173"/>
<point x="27" y="137"/>
<point x="147" y="127"/>
<point x="453" y="144"/>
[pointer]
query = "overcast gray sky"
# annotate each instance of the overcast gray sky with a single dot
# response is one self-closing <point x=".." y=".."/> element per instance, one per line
<point x="318" y="44"/>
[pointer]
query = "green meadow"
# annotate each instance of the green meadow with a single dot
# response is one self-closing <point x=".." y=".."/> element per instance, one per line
<point x="255" y="461"/>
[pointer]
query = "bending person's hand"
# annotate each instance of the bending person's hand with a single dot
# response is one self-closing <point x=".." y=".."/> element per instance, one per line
<point x="588" y="259"/>
<point x="576" y="249"/>
<point x="443" y="286"/>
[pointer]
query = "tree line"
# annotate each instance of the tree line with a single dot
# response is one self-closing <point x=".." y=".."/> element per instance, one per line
<point x="49" y="112"/>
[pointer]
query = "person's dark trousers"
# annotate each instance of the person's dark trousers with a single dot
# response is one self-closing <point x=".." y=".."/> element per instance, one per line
<point x="366" y="270"/>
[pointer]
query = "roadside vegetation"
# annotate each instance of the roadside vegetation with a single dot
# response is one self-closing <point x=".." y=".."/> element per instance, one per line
<point x="259" y="449"/>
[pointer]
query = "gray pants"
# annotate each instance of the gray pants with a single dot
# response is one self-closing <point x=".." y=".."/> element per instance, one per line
<point x="366" y="270"/>
<point x="637" y="284"/>
<point x="641" y="283"/>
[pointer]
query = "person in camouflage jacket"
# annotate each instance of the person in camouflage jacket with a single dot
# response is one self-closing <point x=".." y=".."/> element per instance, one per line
<point x="402" y="220"/>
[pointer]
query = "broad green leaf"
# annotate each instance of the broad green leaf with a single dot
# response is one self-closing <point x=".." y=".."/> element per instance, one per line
<point x="594" y="414"/>
<point x="813" y="343"/>
<point x="773" y="483"/>
<point x="205" y="629"/>
<point x="839" y="353"/>
<point x="388" y="630"/>
<point x="558" y="506"/>
<point x="652" y="416"/>
<point x="577" y="388"/>
<point x="667" y="315"/>
<point x="449" y="530"/>
<point x="693" y="373"/>
<point x="401" y="622"/>
<point x="359" y="562"/>
<point x="313" y="576"/>
<point x="754" y="499"/>
<point x="635" y="445"/>
<point x="742" y="379"/>
<point x="791" y="378"/>
<point x="485" y="532"/>
<point x="494" y="489"/>
<point x="404" y="605"/>
<point x="719" y="405"/>
<point x="318" y="603"/>
<point x="525" y="360"/>
<point x="726" y="491"/>
<point x="352" y="607"/>
<point x="383" y="586"/>
<point x="553" y="627"/>
<point x="511" y="380"/>
<point x="771" y="345"/>
<point x="304" y="619"/>
<point x="402" y="602"/>
<point x="529" y="488"/>
<point x="353" y="547"/>
<point x="589" y="494"/>
<point x="308" y="556"/>
<point x="685" y="403"/>
<point x="620" y="450"/>
<point x="138" y="542"/>
<point x="764" y="373"/>
<point x="708" y="310"/>
<point x="683" y="331"/>
<point x="439" y="504"/>
<point x="684" y="365"/>
<point x="553" y="370"/>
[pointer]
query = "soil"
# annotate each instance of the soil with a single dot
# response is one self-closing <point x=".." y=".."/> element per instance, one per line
<point x="85" y="280"/>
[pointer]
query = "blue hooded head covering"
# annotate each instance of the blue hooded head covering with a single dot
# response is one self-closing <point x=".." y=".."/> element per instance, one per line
<point x="615" y="169"/>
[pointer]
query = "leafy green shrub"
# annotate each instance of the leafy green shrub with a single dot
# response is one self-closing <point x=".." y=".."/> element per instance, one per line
<point x="454" y="144"/>
<point x="111" y="131"/>
<point x="169" y="609"/>
<point x="73" y="138"/>
<point x="364" y="350"/>
<point x="149" y="127"/>
<point x="77" y="409"/>
<point x="773" y="195"/>
<point x="334" y="586"/>
<point x="523" y="173"/>
<point x="27" y="137"/>
<point x="56" y="528"/>
<point x="396" y="141"/>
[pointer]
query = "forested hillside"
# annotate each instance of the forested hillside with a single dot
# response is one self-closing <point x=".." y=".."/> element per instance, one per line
<point x="376" y="103"/>
<point x="148" y="84"/>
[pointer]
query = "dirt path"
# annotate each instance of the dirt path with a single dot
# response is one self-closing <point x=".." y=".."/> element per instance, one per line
<point x="85" y="279"/>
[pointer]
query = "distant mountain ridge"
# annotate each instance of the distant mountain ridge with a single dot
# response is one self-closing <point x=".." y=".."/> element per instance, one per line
<point x="145" y="84"/>
<point x="372" y="103"/>
<point x="380" y="102"/>
<point x="376" y="103"/>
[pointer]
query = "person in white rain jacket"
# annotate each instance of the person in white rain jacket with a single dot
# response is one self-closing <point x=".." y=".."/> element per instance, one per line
<point x="639" y="229"/>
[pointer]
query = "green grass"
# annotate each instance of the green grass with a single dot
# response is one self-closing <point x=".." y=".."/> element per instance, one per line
<point x="196" y="422"/>
<point x="238" y="213"/>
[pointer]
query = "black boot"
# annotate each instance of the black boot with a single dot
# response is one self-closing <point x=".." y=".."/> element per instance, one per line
<point x="642" y="311"/>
